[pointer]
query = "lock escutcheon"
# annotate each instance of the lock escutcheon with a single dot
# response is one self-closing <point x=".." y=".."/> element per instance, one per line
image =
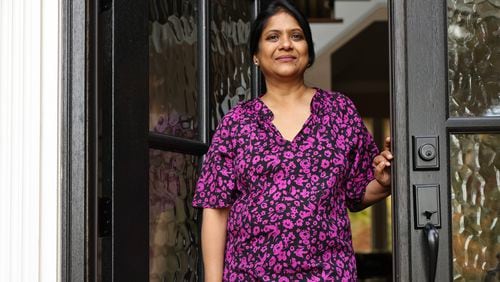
<point x="425" y="152"/>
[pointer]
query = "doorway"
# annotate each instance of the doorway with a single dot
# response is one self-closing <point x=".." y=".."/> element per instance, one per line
<point x="149" y="164"/>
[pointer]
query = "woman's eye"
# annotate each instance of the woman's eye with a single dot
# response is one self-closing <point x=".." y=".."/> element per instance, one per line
<point x="297" y="36"/>
<point x="273" y="37"/>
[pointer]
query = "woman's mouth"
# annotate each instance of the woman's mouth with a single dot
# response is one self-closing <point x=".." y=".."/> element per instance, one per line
<point x="286" y="58"/>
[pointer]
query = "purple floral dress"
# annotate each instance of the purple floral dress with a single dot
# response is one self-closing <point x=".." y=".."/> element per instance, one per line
<point x="288" y="219"/>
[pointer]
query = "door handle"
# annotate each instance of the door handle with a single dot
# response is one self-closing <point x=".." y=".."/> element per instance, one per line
<point x="432" y="239"/>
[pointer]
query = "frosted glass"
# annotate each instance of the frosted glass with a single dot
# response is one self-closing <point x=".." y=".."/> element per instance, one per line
<point x="230" y="61"/>
<point x="173" y="222"/>
<point x="474" y="58"/>
<point x="173" y="62"/>
<point x="475" y="204"/>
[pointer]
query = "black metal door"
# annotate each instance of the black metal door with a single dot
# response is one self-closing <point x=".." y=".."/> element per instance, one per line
<point x="446" y="125"/>
<point x="172" y="69"/>
<point x="121" y="247"/>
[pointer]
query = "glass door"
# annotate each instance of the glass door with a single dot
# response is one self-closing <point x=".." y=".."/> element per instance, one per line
<point x="176" y="138"/>
<point x="166" y="72"/>
<point x="199" y="68"/>
<point x="446" y="124"/>
<point x="474" y="96"/>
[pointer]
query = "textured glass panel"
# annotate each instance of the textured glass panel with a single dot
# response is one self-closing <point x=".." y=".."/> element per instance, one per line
<point x="173" y="222"/>
<point x="474" y="57"/>
<point x="475" y="203"/>
<point x="230" y="63"/>
<point x="172" y="68"/>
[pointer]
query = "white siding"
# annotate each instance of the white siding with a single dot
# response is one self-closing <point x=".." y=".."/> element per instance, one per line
<point x="29" y="140"/>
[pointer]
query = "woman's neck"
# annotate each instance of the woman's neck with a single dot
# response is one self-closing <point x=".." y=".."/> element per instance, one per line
<point x="285" y="91"/>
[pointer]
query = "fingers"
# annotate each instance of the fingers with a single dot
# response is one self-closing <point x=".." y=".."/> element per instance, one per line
<point x="385" y="157"/>
<point x="382" y="174"/>
<point x="387" y="154"/>
<point x="382" y="159"/>
<point x="387" y="144"/>
<point x="381" y="166"/>
<point x="382" y="169"/>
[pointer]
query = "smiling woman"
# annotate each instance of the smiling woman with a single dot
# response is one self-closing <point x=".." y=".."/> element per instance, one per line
<point x="283" y="169"/>
<point x="283" y="50"/>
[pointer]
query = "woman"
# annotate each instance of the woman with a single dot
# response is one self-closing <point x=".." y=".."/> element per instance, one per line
<point x="282" y="170"/>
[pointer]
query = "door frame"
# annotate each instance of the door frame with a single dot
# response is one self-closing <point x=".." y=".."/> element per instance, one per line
<point x="73" y="146"/>
<point x="411" y="42"/>
<point x="128" y="142"/>
<point x="419" y="107"/>
<point x="398" y="85"/>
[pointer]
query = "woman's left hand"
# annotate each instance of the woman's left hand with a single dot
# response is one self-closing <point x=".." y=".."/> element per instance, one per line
<point x="382" y="164"/>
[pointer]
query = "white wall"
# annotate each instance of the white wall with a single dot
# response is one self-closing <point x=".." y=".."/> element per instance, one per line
<point x="352" y="14"/>
<point x="328" y="37"/>
<point x="29" y="140"/>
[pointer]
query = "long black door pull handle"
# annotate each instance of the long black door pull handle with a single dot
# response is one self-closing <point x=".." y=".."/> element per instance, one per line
<point x="432" y="238"/>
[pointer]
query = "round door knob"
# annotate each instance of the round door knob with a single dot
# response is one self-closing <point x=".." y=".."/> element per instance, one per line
<point x="427" y="152"/>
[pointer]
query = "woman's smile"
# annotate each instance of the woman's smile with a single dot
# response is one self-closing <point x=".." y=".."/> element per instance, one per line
<point x="286" y="58"/>
<point x="283" y="50"/>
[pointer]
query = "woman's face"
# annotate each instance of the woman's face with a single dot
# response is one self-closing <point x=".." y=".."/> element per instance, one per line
<point x="283" y="50"/>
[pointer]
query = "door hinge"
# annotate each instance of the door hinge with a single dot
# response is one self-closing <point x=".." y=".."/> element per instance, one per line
<point x="105" y="217"/>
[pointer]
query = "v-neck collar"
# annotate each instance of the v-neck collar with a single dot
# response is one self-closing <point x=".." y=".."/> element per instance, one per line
<point x="266" y="116"/>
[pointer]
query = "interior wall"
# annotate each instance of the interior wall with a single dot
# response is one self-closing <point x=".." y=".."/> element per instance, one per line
<point x="328" y="37"/>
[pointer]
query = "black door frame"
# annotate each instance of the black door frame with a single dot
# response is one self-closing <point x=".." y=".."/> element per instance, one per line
<point x="128" y="140"/>
<point x="126" y="159"/>
<point x="400" y="204"/>
<point x="419" y="107"/>
<point x="418" y="73"/>
<point x="129" y="155"/>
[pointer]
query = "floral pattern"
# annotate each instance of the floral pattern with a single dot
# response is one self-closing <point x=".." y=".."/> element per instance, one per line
<point x="288" y="199"/>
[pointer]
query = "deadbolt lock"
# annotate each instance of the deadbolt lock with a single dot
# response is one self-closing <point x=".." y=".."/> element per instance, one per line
<point x="426" y="153"/>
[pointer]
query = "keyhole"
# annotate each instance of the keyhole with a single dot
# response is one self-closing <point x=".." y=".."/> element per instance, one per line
<point x="427" y="152"/>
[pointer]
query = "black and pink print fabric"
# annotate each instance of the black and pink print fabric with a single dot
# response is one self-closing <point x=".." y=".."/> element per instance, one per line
<point x="288" y="219"/>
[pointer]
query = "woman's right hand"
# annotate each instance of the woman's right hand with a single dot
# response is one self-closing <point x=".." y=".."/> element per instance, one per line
<point x="382" y="164"/>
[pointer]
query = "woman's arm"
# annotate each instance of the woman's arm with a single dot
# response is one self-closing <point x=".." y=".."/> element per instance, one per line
<point x="380" y="187"/>
<point x="374" y="193"/>
<point x="213" y="242"/>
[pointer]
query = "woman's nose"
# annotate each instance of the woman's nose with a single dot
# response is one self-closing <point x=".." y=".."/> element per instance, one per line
<point x="286" y="43"/>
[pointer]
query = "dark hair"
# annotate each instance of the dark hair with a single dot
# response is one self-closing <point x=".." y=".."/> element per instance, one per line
<point x="272" y="9"/>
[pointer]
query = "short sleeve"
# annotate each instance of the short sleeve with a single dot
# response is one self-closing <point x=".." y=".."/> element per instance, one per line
<point x="362" y="152"/>
<point x="216" y="186"/>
